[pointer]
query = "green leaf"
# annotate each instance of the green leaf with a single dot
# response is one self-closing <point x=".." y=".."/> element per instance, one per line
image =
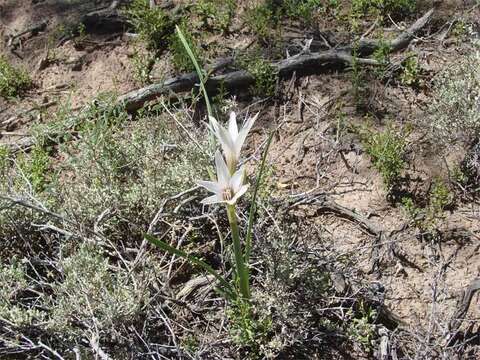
<point x="227" y="289"/>
<point x="197" y="67"/>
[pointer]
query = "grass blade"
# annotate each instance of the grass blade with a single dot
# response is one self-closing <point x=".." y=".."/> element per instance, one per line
<point x="197" y="68"/>
<point x="227" y="288"/>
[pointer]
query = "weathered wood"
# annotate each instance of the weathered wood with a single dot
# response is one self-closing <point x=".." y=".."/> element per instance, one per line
<point x="302" y="62"/>
<point x="368" y="46"/>
<point x="105" y="21"/>
<point x="464" y="304"/>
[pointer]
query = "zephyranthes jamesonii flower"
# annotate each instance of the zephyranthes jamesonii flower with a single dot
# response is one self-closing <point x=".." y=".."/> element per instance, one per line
<point x="228" y="188"/>
<point x="231" y="139"/>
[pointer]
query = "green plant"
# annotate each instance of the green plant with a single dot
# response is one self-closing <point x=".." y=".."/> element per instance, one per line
<point x="261" y="20"/>
<point x="13" y="82"/>
<point x="264" y="74"/>
<point x="382" y="55"/>
<point x="362" y="328"/>
<point x="396" y="8"/>
<point x="460" y="29"/>
<point x="142" y="65"/>
<point x="202" y="76"/>
<point x="247" y="328"/>
<point x="227" y="189"/>
<point x="413" y="212"/>
<point x="454" y="108"/>
<point x="35" y="167"/>
<point x="4" y="153"/>
<point x="303" y="10"/>
<point x="440" y="198"/>
<point x="427" y="219"/>
<point x="190" y="343"/>
<point x="15" y="282"/>
<point x="459" y="175"/>
<point x="387" y="152"/>
<point x="93" y="294"/>
<point x="153" y="25"/>
<point x="181" y="58"/>
<point x="265" y="18"/>
<point x="79" y="34"/>
<point x="357" y="79"/>
<point x="410" y="71"/>
<point x="215" y="14"/>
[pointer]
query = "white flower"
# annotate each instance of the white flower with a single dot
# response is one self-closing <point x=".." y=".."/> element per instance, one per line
<point x="232" y="140"/>
<point x="228" y="188"/>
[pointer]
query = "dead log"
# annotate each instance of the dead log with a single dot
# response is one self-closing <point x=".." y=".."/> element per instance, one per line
<point x="368" y="46"/>
<point x="305" y="61"/>
<point x="459" y="316"/>
<point x="105" y="21"/>
<point x="34" y="29"/>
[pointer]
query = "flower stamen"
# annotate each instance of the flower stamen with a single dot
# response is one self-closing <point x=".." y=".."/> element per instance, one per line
<point x="227" y="194"/>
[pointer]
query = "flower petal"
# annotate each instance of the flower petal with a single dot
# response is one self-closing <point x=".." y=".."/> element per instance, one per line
<point x="239" y="193"/>
<point x="214" y="199"/>
<point x="232" y="126"/>
<point x="221" y="133"/>
<point x="210" y="186"/>
<point x="226" y="141"/>
<point x="213" y="124"/>
<point x="243" y="133"/>
<point x="236" y="180"/>
<point x="223" y="175"/>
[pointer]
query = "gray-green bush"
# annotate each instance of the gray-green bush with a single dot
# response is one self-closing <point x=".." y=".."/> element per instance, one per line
<point x="454" y="112"/>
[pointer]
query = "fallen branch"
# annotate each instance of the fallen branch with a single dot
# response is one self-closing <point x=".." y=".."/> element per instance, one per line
<point x="459" y="316"/>
<point x="32" y="29"/>
<point x="304" y="61"/>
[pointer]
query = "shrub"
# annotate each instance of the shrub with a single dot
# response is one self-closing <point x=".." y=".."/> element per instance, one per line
<point x="261" y="21"/>
<point x="13" y="81"/>
<point x="264" y="74"/>
<point x="410" y="71"/>
<point x="382" y="55"/>
<point x="34" y="167"/>
<point x="142" y="66"/>
<point x="127" y="167"/>
<point x="92" y="294"/>
<point x="455" y="106"/>
<point x="14" y="283"/>
<point x="263" y="18"/>
<point x="153" y="25"/>
<point x="428" y="218"/>
<point x="215" y="14"/>
<point x="395" y="8"/>
<point x="387" y="151"/>
<point x="300" y="9"/>
<point x="181" y="60"/>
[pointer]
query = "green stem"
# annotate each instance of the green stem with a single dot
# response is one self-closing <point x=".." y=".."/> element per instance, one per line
<point x="242" y="270"/>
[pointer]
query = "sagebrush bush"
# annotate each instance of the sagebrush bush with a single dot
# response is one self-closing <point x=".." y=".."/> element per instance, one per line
<point x="127" y="168"/>
<point x="14" y="287"/>
<point x="94" y="294"/>
<point x="455" y="102"/>
<point x="114" y="176"/>
<point x="13" y="81"/>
